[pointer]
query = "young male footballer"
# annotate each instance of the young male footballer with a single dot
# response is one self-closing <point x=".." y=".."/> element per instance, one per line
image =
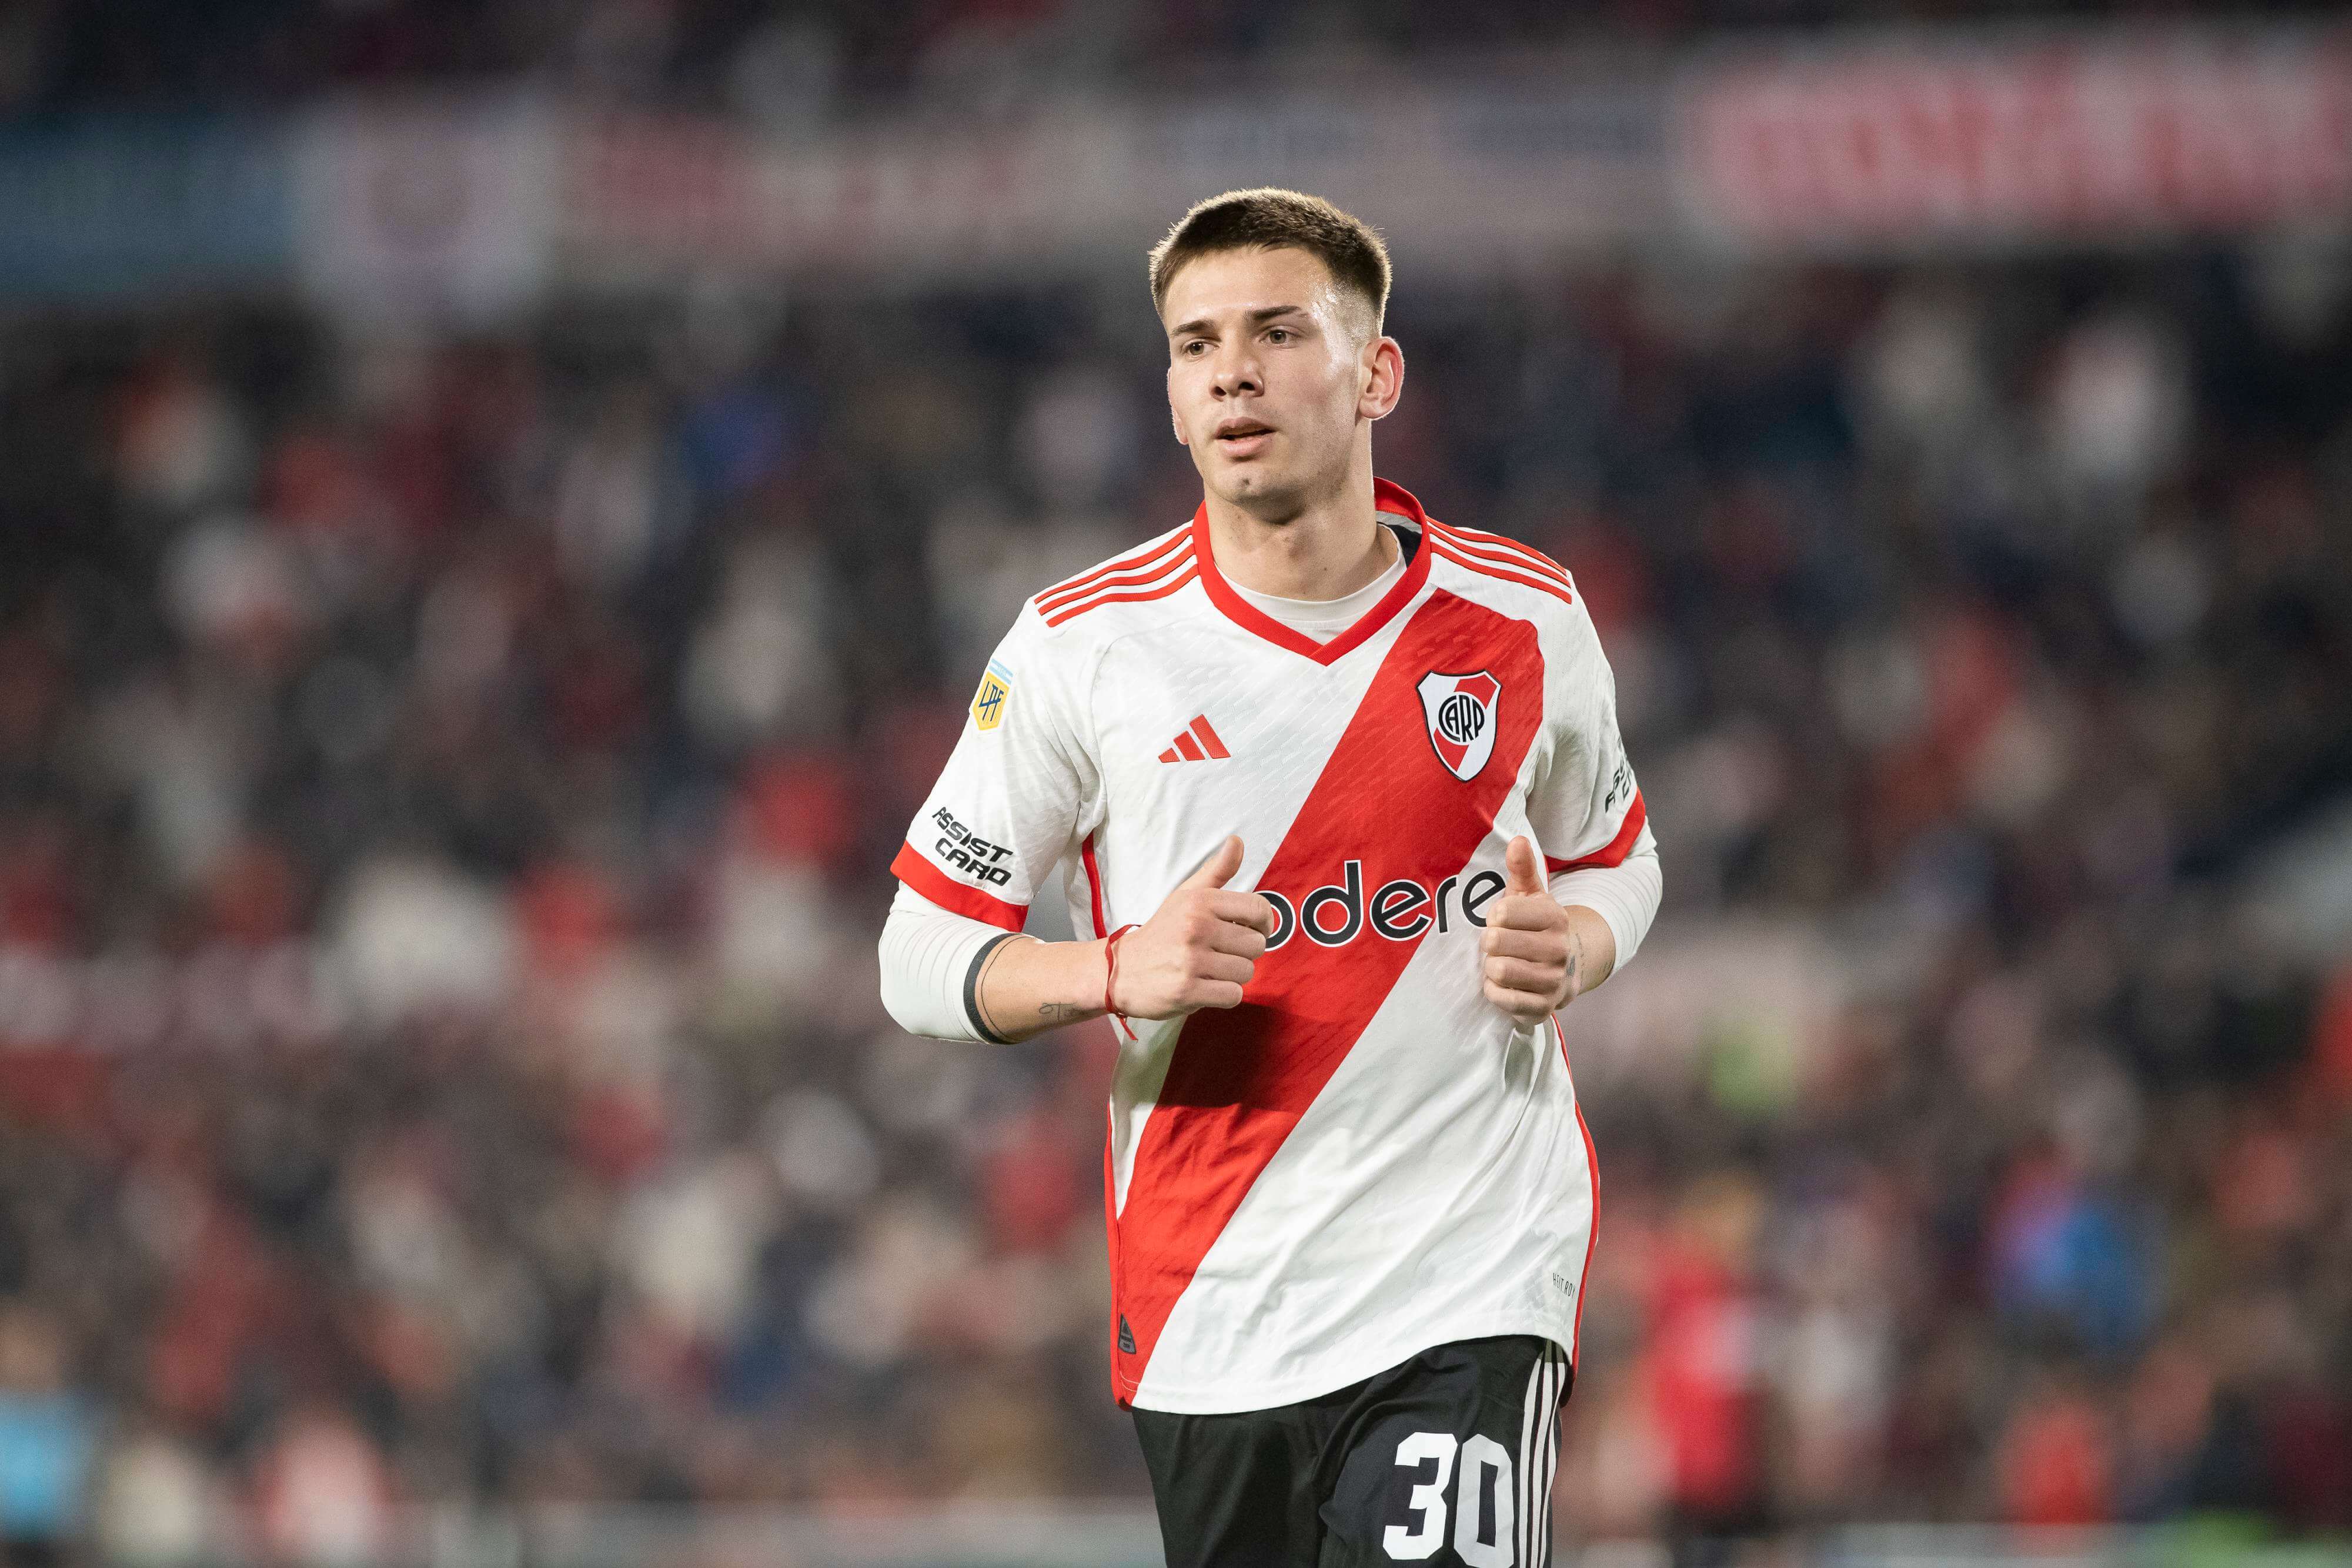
<point x="1347" y="823"/>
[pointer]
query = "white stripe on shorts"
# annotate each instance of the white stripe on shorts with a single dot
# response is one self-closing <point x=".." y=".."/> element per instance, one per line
<point x="1523" y="1532"/>
<point x="1544" y="1463"/>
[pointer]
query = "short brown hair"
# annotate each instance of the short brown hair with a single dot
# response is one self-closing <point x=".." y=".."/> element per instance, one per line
<point x="1270" y="218"/>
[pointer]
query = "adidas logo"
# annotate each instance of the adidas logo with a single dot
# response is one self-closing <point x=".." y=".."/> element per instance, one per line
<point x="1198" y="743"/>
<point x="1125" y="1337"/>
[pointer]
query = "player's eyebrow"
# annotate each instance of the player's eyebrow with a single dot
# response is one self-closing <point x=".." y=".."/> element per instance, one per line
<point x="1257" y="318"/>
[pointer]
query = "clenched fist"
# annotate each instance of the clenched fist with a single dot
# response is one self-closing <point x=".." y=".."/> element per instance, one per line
<point x="1199" y="949"/>
<point x="1533" y="954"/>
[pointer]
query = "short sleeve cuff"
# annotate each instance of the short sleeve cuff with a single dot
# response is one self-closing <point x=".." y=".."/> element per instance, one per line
<point x="943" y="890"/>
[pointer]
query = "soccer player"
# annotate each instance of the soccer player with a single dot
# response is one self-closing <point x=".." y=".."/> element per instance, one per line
<point x="1346" y="821"/>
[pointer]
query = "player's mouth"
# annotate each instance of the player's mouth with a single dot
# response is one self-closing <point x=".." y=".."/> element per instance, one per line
<point x="1243" y="437"/>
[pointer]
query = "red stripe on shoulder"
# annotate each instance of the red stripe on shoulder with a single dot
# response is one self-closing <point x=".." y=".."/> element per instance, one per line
<point x="1162" y="591"/>
<point x="1505" y="541"/>
<point x="1069" y="587"/>
<point x="917" y="872"/>
<point x="1447" y="551"/>
<point x="1050" y="604"/>
<point x="1614" y="852"/>
<point x="1506" y="552"/>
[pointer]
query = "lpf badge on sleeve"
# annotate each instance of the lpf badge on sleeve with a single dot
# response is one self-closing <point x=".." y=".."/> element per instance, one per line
<point x="987" y="703"/>
<point x="1461" y="714"/>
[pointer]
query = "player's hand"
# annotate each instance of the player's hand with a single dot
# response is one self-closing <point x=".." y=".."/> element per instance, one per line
<point x="1199" y="950"/>
<point x="1532" y="956"/>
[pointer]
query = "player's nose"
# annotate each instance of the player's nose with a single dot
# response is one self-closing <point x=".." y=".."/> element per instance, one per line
<point x="1237" y="374"/>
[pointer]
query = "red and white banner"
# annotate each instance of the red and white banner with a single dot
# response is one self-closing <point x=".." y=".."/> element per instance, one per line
<point x="1949" y="140"/>
<point x="2053" y="139"/>
<point x="1456" y="176"/>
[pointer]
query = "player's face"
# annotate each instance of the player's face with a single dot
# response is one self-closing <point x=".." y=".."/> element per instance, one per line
<point x="1272" y="370"/>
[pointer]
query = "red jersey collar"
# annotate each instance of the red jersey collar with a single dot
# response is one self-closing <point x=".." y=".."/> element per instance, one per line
<point x="1386" y="498"/>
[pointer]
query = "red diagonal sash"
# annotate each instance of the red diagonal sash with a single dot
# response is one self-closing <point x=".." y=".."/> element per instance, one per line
<point x="1242" y="1077"/>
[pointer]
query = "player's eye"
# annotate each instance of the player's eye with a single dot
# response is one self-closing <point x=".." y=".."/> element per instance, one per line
<point x="1194" y="347"/>
<point x="1279" y="335"/>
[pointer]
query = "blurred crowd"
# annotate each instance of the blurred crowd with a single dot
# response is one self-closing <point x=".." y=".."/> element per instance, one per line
<point x="795" y="63"/>
<point x="447" y="782"/>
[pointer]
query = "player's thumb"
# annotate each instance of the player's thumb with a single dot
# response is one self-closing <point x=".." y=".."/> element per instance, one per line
<point x="1520" y="865"/>
<point x="1219" y="868"/>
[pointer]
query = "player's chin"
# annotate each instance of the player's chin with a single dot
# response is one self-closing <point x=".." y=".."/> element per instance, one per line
<point x="1237" y="480"/>
<point x="1262" y="494"/>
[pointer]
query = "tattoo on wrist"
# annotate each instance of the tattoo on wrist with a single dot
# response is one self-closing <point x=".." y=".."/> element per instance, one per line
<point x="1062" y="1012"/>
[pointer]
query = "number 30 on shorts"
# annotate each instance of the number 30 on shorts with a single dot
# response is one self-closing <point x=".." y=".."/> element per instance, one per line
<point x="1482" y="1530"/>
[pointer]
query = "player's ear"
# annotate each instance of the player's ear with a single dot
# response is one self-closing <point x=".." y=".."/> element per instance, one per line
<point x="1383" y="381"/>
<point x="1177" y="420"/>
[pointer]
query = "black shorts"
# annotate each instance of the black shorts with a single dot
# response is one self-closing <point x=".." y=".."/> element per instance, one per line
<point x="1447" y="1459"/>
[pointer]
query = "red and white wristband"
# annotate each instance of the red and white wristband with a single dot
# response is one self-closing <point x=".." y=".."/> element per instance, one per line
<point x="1110" y="974"/>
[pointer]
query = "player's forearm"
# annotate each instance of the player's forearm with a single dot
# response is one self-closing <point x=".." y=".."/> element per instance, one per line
<point x="1626" y="896"/>
<point x="1592" y="947"/>
<point x="1026" y="986"/>
<point x="950" y="977"/>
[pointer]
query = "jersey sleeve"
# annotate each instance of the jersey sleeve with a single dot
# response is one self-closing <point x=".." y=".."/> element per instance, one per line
<point x="1018" y="792"/>
<point x="1585" y="804"/>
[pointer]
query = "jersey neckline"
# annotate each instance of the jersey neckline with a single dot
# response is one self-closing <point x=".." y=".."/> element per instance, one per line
<point x="1388" y="497"/>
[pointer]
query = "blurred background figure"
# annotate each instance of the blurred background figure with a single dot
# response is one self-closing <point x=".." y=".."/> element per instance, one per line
<point x="48" y="1435"/>
<point x="501" y="509"/>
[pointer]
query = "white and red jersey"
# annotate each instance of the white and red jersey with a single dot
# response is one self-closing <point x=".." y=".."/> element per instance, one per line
<point x="1366" y="1158"/>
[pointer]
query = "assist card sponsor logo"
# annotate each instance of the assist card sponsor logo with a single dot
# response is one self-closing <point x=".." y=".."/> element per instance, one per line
<point x="1621" y="786"/>
<point x="961" y="849"/>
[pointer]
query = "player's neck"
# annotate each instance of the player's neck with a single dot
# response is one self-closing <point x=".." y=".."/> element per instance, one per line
<point x="1327" y="551"/>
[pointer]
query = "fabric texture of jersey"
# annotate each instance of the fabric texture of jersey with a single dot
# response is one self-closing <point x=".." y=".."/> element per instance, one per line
<point x="1366" y="1158"/>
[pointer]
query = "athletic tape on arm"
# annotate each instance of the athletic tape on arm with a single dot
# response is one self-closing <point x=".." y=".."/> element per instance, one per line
<point x="928" y="954"/>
